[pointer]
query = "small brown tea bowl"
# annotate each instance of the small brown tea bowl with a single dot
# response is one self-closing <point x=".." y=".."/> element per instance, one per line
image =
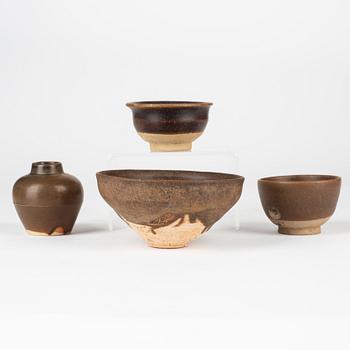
<point x="170" y="126"/>
<point x="168" y="208"/>
<point x="299" y="204"/>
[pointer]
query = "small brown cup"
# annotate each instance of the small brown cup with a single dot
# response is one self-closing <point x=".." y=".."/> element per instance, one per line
<point x="299" y="204"/>
<point x="170" y="126"/>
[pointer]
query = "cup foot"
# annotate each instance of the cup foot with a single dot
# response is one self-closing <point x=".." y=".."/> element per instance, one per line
<point x="299" y="231"/>
<point x="300" y="227"/>
<point x="176" y="147"/>
<point x="170" y="142"/>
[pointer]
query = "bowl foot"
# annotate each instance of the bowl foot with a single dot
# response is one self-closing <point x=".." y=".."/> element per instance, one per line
<point x="167" y="245"/>
<point x="177" y="234"/>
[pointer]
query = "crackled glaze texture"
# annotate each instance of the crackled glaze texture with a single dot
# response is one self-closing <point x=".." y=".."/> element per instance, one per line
<point x="170" y="126"/>
<point x="299" y="204"/>
<point x="169" y="208"/>
<point x="47" y="200"/>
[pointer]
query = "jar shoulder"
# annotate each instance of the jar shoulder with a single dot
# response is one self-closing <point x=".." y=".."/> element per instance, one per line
<point x="46" y="190"/>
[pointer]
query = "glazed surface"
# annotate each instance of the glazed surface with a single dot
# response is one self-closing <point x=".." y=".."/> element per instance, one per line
<point x="47" y="200"/>
<point x="299" y="197"/>
<point x="47" y="190"/>
<point x="156" y="200"/>
<point x="48" y="220"/>
<point x="169" y="117"/>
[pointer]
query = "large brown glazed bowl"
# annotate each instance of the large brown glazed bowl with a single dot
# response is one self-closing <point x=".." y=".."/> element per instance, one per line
<point x="169" y="208"/>
<point x="170" y="125"/>
<point x="299" y="204"/>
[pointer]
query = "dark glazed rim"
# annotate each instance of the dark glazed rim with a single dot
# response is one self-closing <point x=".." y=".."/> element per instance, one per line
<point x="300" y="178"/>
<point x="46" y="167"/>
<point x="166" y="104"/>
<point x="222" y="176"/>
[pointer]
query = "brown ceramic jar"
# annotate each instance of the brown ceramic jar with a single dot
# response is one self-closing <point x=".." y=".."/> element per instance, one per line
<point x="47" y="200"/>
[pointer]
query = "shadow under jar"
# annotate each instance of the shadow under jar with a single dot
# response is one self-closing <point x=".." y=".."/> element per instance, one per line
<point x="170" y="126"/>
<point x="47" y="200"/>
<point x="299" y="204"/>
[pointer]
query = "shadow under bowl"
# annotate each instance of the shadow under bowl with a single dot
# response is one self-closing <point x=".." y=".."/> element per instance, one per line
<point x="299" y="204"/>
<point x="170" y="126"/>
<point x="169" y="208"/>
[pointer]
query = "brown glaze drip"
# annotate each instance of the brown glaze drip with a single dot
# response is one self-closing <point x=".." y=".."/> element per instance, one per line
<point x="169" y="218"/>
<point x="164" y="220"/>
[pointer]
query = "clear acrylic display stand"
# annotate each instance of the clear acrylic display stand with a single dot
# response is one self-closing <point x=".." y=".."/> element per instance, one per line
<point x="216" y="161"/>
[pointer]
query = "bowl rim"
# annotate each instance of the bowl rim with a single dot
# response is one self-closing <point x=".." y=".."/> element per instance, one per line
<point x="231" y="177"/>
<point x="167" y="104"/>
<point x="286" y="179"/>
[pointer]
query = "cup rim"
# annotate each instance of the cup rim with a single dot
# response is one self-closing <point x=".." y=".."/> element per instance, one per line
<point x="167" y="104"/>
<point x="300" y="178"/>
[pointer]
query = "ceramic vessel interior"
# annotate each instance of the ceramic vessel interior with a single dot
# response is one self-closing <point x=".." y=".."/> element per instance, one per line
<point x="299" y="204"/>
<point x="170" y="126"/>
<point x="167" y="208"/>
<point x="48" y="200"/>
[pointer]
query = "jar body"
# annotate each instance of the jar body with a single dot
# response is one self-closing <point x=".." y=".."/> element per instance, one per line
<point x="47" y="200"/>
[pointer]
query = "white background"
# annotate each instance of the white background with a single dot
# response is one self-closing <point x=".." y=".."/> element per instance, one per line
<point x="278" y="74"/>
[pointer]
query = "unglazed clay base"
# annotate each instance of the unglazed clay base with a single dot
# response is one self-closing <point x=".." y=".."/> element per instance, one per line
<point x="59" y="231"/>
<point x="176" y="235"/>
<point x="308" y="227"/>
<point x="170" y="142"/>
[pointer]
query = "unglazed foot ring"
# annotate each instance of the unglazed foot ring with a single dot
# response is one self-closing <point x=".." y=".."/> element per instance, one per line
<point x="303" y="227"/>
<point x="167" y="246"/>
<point x="299" y="231"/>
<point x="59" y="231"/>
<point x="175" y="147"/>
<point x="170" y="142"/>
